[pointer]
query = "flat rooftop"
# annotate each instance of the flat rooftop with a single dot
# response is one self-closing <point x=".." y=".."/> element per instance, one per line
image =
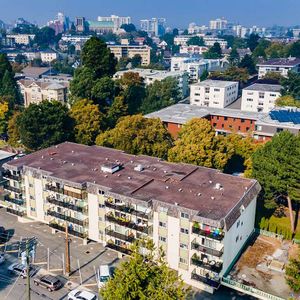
<point x="182" y="113"/>
<point x="184" y="185"/>
<point x="215" y="83"/>
<point x="264" y="87"/>
<point x="287" y="62"/>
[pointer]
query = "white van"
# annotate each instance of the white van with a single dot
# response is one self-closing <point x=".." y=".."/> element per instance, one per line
<point x="103" y="275"/>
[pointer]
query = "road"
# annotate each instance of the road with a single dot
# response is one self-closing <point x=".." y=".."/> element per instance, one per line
<point x="88" y="257"/>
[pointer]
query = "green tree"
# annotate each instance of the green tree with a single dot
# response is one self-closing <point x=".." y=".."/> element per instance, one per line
<point x="253" y="41"/>
<point x="234" y="57"/>
<point x="82" y="84"/>
<point x="45" y="37"/>
<point x="103" y="91"/>
<point x="292" y="274"/>
<point x="273" y="76"/>
<point x="276" y="50"/>
<point x="231" y="74"/>
<point x="196" y="41"/>
<point x="4" y="115"/>
<point x="13" y="130"/>
<point x="277" y="168"/>
<point x="260" y="50"/>
<point x="204" y="75"/>
<point x="9" y="87"/>
<point x="45" y="124"/>
<point x="136" y="61"/>
<point x="87" y="121"/>
<point x="248" y="63"/>
<point x="145" y="277"/>
<point x="128" y="27"/>
<point x="161" y="94"/>
<point x="294" y="49"/>
<point x="291" y="85"/>
<point x="287" y="101"/>
<point x="117" y="110"/>
<point x="97" y="57"/>
<point x="197" y="144"/>
<point x="133" y="90"/>
<point x="214" y="52"/>
<point x="138" y="135"/>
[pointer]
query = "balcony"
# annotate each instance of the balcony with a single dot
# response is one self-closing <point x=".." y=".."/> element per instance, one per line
<point x="207" y="250"/>
<point x="120" y="236"/>
<point x="66" y="218"/>
<point x="213" y="235"/>
<point x="13" y="200"/>
<point x="213" y="283"/>
<point x="66" y="205"/>
<point x="211" y="266"/>
<point x="15" y="212"/>
<point x="8" y="175"/>
<point x="12" y="189"/>
<point x="127" y="209"/>
<point x="127" y="223"/>
<point x="60" y="190"/>
<point x="121" y="249"/>
<point x="70" y="231"/>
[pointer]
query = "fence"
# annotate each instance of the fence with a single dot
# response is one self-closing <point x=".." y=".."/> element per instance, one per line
<point x="248" y="289"/>
<point x="269" y="234"/>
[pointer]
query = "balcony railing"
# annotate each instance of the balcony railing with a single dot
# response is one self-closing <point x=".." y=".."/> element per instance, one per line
<point x="65" y="192"/>
<point x="12" y="189"/>
<point x="13" y="200"/>
<point x="8" y="175"/>
<point x="66" y="218"/>
<point x="213" y="283"/>
<point x="217" y="267"/>
<point x="206" y="250"/>
<point x="127" y="209"/>
<point x="70" y="231"/>
<point x="120" y="236"/>
<point x="128" y="224"/>
<point x="212" y="235"/>
<point x="119" y="248"/>
<point x="66" y="204"/>
<point x="15" y="212"/>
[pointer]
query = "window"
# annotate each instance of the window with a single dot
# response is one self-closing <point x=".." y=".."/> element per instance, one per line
<point x="101" y="205"/>
<point x="236" y="239"/>
<point x="183" y="260"/>
<point x="249" y="99"/>
<point x="217" y="90"/>
<point x="163" y="209"/>
<point x="184" y="215"/>
<point x="258" y="128"/>
<point x="225" y="118"/>
<point x="261" y="95"/>
<point x="183" y="230"/>
<point x="162" y="239"/>
<point x="100" y="192"/>
<point x="32" y="208"/>
<point x="30" y="185"/>
<point x="279" y="129"/>
<point x="183" y="246"/>
<point x="242" y="121"/>
<point x="237" y="224"/>
<point x="162" y="224"/>
<point x="207" y="90"/>
<point x="273" y="95"/>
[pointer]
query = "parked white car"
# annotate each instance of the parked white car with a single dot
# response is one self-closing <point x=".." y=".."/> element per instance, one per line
<point x="81" y="295"/>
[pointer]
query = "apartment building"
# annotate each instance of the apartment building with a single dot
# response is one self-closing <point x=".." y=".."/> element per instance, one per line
<point x="193" y="49"/>
<point x="209" y="41"/>
<point x="20" y="39"/>
<point x="36" y="91"/>
<point x="279" y="65"/>
<point x="260" y="97"/>
<point x="154" y="26"/>
<point x="130" y="51"/>
<point x="261" y="126"/>
<point x="214" y="93"/>
<point x="218" y="24"/>
<point x="151" y="76"/>
<point x="195" y="65"/>
<point x="47" y="56"/>
<point x="199" y="216"/>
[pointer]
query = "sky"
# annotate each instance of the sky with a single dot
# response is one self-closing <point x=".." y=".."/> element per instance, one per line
<point x="179" y="13"/>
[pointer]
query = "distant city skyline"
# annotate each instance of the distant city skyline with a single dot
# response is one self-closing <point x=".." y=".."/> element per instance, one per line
<point x="178" y="13"/>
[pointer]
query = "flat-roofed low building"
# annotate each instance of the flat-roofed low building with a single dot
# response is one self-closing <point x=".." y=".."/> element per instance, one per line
<point x="214" y="93"/>
<point x="124" y="51"/>
<point x="151" y="76"/>
<point x="200" y="217"/>
<point x="47" y="56"/>
<point x="20" y="39"/>
<point x="279" y="65"/>
<point x="260" y="97"/>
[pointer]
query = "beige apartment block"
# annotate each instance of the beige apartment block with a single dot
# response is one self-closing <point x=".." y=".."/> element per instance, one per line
<point x="36" y="91"/>
<point x="199" y="216"/>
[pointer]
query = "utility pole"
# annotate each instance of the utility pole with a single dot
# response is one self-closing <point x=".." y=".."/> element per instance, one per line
<point x="68" y="263"/>
<point x="28" y="270"/>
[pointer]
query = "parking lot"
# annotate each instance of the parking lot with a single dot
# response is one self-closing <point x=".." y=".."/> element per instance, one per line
<point x="49" y="258"/>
